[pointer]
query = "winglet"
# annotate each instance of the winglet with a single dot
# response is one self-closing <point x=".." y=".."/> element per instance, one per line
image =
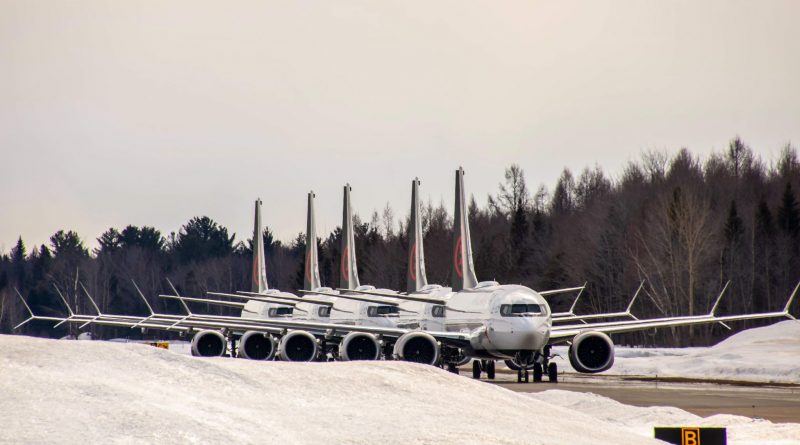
<point x="99" y="312"/>
<point x="633" y="300"/>
<point x="24" y="302"/>
<point x="26" y="307"/>
<point x="789" y="303"/>
<point x="577" y="297"/>
<point x="150" y="308"/>
<point x="719" y="298"/>
<point x="69" y="309"/>
<point x="186" y="307"/>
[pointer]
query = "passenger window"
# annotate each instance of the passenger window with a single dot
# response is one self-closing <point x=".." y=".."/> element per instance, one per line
<point x="324" y="312"/>
<point x="437" y="311"/>
<point x="376" y="311"/>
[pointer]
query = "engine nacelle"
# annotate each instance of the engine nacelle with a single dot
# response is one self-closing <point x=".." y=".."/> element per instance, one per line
<point x="298" y="346"/>
<point x="417" y="347"/>
<point x="591" y="352"/>
<point x="209" y="343"/>
<point x="359" y="346"/>
<point x="257" y="346"/>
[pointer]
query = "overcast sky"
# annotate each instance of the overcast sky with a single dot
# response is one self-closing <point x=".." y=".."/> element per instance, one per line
<point x="153" y="112"/>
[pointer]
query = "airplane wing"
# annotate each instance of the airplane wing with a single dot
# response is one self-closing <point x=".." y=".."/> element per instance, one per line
<point x="193" y="321"/>
<point x="563" y="333"/>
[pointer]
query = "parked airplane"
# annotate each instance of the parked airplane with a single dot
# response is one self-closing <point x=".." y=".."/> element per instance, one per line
<point x="491" y="321"/>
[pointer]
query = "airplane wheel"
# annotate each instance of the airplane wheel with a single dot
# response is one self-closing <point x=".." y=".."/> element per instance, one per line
<point x="519" y="376"/>
<point x="552" y="373"/>
<point x="490" y="370"/>
<point x="537" y="373"/>
<point x="525" y="375"/>
<point x="451" y="367"/>
<point x="476" y="369"/>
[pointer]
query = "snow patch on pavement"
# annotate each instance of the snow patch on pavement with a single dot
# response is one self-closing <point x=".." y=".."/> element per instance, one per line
<point x="641" y="420"/>
<point x="767" y="354"/>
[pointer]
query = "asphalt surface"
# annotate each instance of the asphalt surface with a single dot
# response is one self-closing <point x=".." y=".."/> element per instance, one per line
<point x="775" y="403"/>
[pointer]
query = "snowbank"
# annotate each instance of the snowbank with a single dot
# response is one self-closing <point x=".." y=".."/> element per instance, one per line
<point x="766" y="354"/>
<point x="90" y="392"/>
<point x="641" y="420"/>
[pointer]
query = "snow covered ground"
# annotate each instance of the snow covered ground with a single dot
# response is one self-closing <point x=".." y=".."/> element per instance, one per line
<point x="54" y="391"/>
<point x="641" y="420"/>
<point x="766" y="354"/>
<point x="92" y="391"/>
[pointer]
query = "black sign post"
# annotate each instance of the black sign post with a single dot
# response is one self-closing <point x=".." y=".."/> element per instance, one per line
<point x="692" y="435"/>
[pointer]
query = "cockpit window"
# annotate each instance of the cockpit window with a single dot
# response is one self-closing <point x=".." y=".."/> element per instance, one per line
<point x="377" y="311"/>
<point x="437" y="311"/>
<point x="324" y="312"/>
<point x="521" y="310"/>
<point x="280" y="311"/>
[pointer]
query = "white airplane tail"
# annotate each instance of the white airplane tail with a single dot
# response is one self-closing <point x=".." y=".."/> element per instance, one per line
<point x="348" y="270"/>
<point x="463" y="275"/>
<point x="259" y="280"/>
<point x="311" y="279"/>
<point x="415" y="277"/>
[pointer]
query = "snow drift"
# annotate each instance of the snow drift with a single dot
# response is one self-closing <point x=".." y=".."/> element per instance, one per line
<point x="766" y="354"/>
<point x="89" y="392"/>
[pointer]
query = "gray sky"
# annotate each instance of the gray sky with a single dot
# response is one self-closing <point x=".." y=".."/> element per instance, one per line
<point x="153" y="112"/>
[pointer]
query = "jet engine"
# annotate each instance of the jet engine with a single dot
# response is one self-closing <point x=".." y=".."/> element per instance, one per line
<point x="298" y="346"/>
<point x="591" y="352"/>
<point x="359" y="346"/>
<point x="257" y="346"/>
<point x="418" y="347"/>
<point x="208" y="343"/>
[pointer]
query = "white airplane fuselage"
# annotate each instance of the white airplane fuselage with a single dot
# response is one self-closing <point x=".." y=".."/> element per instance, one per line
<point x="492" y="314"/>
<point x="267" y="310"/>
<point x="424" y="316"/>
<point x="349" y="312"/>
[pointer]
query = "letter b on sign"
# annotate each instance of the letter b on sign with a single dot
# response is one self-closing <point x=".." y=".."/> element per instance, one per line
<point x="690" y="436"/>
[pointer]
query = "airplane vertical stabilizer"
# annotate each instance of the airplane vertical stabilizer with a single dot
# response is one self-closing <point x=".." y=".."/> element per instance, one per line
<point x="463" y="275"/>
<point x="311" y="279"/>
<point x="347" y="265"/>
<point x="259" y="279"/>
<point x="415" y="275"/>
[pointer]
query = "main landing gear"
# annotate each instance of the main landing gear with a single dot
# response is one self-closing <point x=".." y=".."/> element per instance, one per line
<point x="479" y="366"/>
<point x="452" y="367"/>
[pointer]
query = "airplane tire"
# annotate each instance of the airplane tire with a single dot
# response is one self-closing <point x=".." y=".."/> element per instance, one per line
<point x="476" y="369"/>
<point x="552" y="373"/>
<point x="451" y="367"/>
<point x="519" y="376"/>
<point x="490" y="370"/>
<point x="525" y="375"/>
<point x="537" y="373"/>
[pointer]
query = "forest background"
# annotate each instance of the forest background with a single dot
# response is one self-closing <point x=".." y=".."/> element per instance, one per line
<point x="683" y="225"/>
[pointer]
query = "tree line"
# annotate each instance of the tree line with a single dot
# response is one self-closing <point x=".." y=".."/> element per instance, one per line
<point x="683" y="224"/>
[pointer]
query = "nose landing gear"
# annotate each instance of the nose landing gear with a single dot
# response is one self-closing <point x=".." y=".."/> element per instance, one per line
<point x="538" y="363"/>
